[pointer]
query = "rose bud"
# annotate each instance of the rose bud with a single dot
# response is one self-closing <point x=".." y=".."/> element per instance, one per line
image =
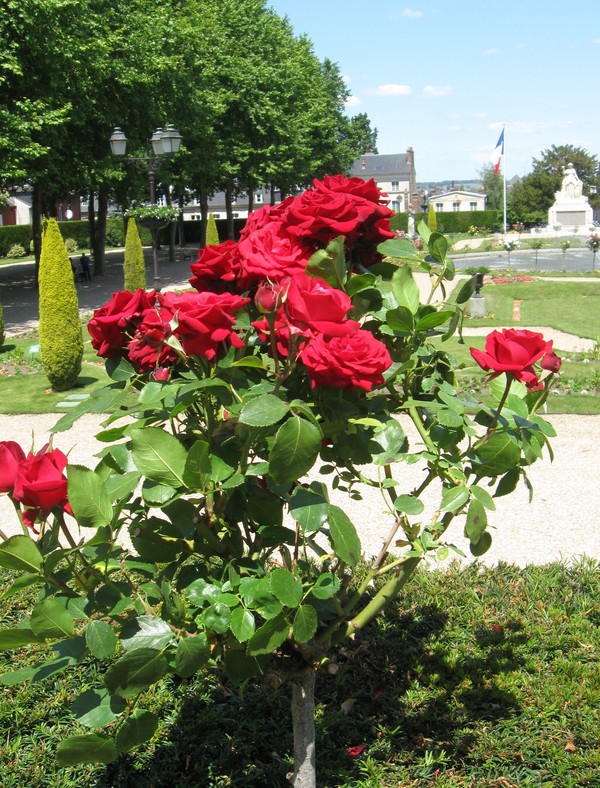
<point x="551" y="362"/>
<point x="267" y="298"/>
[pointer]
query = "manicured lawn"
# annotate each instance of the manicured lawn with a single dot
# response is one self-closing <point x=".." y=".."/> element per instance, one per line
<point x="476" y="677"/>
<point x="573" y="307"/>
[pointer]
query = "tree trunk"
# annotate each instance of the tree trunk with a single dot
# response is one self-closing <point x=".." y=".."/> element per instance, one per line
<point x="36" y="227"/>
<point x="100" y="235"/>
<point x="180" y="224"/>
<point x="303" y="721"/>
<point x="229" y="210"/>
<point x="204" y="219"/>
<point x="92" y="221"/>
<point x="272" y="194"/>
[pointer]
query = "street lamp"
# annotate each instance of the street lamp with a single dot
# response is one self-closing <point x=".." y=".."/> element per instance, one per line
<point x="164" y="143"/>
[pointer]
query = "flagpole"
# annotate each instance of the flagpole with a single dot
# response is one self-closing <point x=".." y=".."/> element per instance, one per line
<point x="504" y="175"/>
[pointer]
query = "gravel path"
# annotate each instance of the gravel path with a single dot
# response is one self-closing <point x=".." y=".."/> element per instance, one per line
<point x="560" y="524"/>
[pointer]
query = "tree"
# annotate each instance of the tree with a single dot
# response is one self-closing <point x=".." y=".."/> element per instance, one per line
<point x="531" y="198"/>
<point x="212" y="234"/>
<point x="493" y="187"/>
<point x="61" y="343"/>
<point x="133" y="261"/>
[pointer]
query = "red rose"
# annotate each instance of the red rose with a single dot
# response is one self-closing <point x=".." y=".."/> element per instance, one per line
<point x="263" y="216"/>
<point x="356" y="359"/>
<point x="268" y="297"/>
<point x="314" y="306"/>
<point x="216" y="267"/>
<point x="270" y="253"/>
<point x="40" y="482"/>
<point x="205" y="320"/>
<point x="11" y="454"/>
<point x="147" y="350"/>
<point x="513" y="351"/>
<point x="366" y="190"/>
<point x="551" y="361"/>
<point x="325" y="215"/>
<point x="114" y="324"/>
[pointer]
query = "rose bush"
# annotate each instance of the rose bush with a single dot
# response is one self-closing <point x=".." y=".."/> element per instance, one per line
<point x="232" y="413"/>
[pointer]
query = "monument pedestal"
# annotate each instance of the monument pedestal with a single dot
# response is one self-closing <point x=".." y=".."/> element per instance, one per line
<point x="571" y="209"/>
<point x="477" y="306"/>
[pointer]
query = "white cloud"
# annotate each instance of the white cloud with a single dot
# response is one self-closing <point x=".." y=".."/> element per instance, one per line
<point x="596" y="41"/>
<point x="347" y="78"/>
<point x="390" y="90"/>
<point x="437" y="92"/>
<point x="412" y="14"/>
<point x="352" y="101"/>
<point x="492" y="52"/>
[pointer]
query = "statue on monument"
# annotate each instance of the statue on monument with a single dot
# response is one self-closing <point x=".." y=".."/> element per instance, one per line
<point x="571" y="183"/>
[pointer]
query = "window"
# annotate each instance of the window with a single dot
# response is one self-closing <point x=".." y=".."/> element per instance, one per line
<point x="259" y="197"/>
<point x="395" y="186"/>
<point x="439" y="206"/>
<point x="456" y="206"/>
<point x="395" y="206"/>
<point x="473" y="206"/>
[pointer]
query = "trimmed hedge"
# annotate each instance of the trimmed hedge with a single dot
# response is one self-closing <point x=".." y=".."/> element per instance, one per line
<point x="453" y="221"/>
<point x="133" y="262"/>
<point x="21" y="234"/>
<point x="12" y="234"/>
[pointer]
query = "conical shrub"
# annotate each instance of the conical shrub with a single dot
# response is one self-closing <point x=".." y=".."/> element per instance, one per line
<point x="61" y="343"/>
<point x="431" y="218"/>
<point x="212" y="234"/>
<point x="133" y="263"/>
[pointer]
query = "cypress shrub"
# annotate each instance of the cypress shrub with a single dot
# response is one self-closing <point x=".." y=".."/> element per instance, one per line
<point x="133" y="262"/>
<point x="212" y="234"/>
<point x="61" y="343"/>
<point x="431" y="218"/>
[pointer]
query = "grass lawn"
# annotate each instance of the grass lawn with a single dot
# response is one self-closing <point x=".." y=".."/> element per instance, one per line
<point x="573" y="307"/>
<point x="25" y="387"/>
<point x="476" y="677"/>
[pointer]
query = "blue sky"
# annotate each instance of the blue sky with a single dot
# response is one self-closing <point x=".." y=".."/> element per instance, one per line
<point x="443" y="76"/>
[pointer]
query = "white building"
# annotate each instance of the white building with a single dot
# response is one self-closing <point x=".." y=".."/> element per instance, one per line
<point x="457" y="200"/>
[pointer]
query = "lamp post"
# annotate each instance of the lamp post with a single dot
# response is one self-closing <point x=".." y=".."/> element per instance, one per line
<point x="165" y="142"/>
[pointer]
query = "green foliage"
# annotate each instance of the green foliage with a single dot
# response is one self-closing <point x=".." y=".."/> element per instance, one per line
<point x="493" y="186"/>
<point x="15" y="251"/>
<point x="453" y="221"/>
<point x="61" y="344"/>
<point x="431" y="218"/>
<point x="71" y="245"/>
<point x="14" y="234"/>
<point x="114" y="232"/>
<point x="133" y="261"/>
<point x="212" y="234"/>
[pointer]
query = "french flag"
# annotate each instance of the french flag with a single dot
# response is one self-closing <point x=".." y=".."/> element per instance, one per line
<point x="498" y="153"/>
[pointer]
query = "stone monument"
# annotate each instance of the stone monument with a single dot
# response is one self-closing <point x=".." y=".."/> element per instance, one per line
<point x="571" y="209"/>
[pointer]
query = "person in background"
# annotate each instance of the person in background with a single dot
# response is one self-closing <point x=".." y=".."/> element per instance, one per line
<point x="84" y="261"/>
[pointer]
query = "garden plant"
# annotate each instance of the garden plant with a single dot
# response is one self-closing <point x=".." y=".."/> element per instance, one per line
<point x="206" y="536"/>
<point x="133" y="260"/>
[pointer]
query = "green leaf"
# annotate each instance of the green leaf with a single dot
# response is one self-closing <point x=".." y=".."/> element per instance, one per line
<point x="497" y="456"/>
<point x="88" y="497"/>
<point x="476" y="521"/>
<point x="360" y="282"/>
<point x="22" y="582"/>
<point x="263" y="411"/>
<point x="343" y="535"/>
<point x="437" y="246"/>
<point x="192" y="653"/>
<point x="120" y="486"/>
<point x="308" y="506"/>
<point x="135" y="672"/>
<point x="149" y="632"/>
<point x="305" y="624"/>
<point x="14" y="638"/>
<point x="96" y="708"/>
<point x="242" y="624"/>
<point x="268" y="637"/>
<point x="216" y="617"/>
<point x="159" y="455"/>
<point x="50" y="619"/>
<point x="454" y="498"/>
<point x="507" y="483"/>
<point x="286" y="587"/>
<point x="399" y="248"/>
<point x="295" y="450"/>
<point x="326" y="586"/>
<point x="408" y="504"/>
<point x="330" y="263"/>
<point x="100" y="639"/>
<point x="484" y="498"/>
<point x="405" y="289"/>
<point x="434" y="319"/>
<point x="466" y="291"/>
<point x="197" y="471"/>
<point x="400" y="319"/>
<point x="497" y="386"/>
<point x="20" y="553"/>
<point x="137" y="729"/>
<point x="483" y="545"/>
<point x="86" y="748"/>
<point x="387" y="443"/>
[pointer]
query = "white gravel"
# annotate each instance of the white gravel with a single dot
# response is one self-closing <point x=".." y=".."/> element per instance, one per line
<point x="562" y="522"/>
